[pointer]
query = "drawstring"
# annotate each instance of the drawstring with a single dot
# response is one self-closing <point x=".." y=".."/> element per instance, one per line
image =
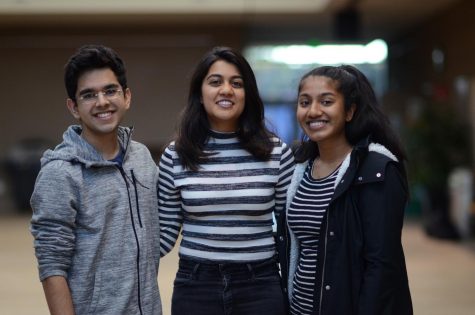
<point x="131" y="179"/>
<point x="122" y="172"/>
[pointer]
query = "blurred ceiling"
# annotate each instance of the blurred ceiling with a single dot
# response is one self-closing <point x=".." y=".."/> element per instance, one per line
<point x="377" y="18"/>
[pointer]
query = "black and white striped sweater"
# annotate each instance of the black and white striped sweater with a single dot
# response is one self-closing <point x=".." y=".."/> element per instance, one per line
<point x="225" y="209"/>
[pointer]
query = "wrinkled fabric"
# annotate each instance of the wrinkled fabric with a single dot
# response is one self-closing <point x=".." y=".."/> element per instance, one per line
<point x="96" y="224"/>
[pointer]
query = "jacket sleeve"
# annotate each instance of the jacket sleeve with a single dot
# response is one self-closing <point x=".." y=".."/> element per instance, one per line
<point x="54" y="204"/>
<point x="169" y="201"/>
<point x="382" y="207"/>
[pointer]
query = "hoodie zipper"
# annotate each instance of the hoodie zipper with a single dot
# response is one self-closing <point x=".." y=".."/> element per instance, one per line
<point x="136" y="198"/>
<point x="124" y="176"/>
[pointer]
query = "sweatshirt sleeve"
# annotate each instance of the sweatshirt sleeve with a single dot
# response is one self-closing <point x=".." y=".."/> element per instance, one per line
<point x="53" y="221"/>
<point x="169" y="201"/>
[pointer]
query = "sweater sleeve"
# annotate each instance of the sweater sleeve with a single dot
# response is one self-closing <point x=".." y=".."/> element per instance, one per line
<point x="54" y="205"/>
<point x="383" y="205"/>
<point x="286" y="170"/>
<point x="169" y="200"/>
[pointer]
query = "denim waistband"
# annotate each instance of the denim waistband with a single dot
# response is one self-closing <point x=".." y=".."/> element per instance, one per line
<point x="225" y="268"/>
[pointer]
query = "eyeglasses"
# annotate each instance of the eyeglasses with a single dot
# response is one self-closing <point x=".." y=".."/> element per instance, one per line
<point x="92" y="97"/>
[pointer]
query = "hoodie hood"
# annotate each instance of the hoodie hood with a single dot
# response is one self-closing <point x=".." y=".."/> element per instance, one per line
<point x="75" y="149"/>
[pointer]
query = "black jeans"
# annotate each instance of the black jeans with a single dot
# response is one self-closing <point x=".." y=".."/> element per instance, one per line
<point x="228" y="289"/>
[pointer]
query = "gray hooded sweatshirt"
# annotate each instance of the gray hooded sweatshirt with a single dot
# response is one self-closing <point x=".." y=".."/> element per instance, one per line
<point x="96" y="224"/>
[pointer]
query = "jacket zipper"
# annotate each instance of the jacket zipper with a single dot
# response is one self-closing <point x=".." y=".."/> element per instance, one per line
<point x="326" y="242"/>
<point x="124" y="176"/>
<point x="324" y="261"/>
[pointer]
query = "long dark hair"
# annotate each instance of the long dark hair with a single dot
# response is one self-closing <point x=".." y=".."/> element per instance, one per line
<point x="194" y="129"/>
<point x="368" y="119"/>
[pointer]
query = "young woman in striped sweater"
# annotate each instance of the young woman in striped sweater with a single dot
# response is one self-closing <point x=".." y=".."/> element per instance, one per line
<point x="221" y="180"/>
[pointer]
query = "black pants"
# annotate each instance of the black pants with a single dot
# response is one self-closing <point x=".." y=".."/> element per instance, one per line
<point x="228" y="289"/>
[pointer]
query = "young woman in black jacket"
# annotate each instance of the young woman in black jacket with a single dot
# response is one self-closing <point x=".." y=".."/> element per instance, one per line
<point x="340" y="238"/>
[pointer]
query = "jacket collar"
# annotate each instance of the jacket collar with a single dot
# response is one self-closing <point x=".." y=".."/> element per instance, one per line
<point x="348" y="169"/>
<point x="351" y="165"/>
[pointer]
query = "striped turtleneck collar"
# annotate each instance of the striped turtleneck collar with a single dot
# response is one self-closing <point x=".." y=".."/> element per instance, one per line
<point x="223" y="135"/>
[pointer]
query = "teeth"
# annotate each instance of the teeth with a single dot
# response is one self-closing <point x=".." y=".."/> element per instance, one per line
<point x="104" y="115"/>
<point x="225" y="103"/>
<point x="316" y="124"/>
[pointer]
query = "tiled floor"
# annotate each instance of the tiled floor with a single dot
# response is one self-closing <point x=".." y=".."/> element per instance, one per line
<point x="441" y="273"/>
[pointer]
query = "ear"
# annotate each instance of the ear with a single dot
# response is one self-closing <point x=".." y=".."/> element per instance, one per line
<point x="73" y="108"/>
<point x="350" y="113"/>
<point x="127" y="98"/>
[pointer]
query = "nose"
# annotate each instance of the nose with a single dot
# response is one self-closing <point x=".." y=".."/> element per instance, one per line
<point x="101" y="99"/>
<point x="315" y="109"/>
<point x="226" y="89"/>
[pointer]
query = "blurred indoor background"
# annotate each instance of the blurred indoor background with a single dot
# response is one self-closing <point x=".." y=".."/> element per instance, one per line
<point x="419" y="55"/>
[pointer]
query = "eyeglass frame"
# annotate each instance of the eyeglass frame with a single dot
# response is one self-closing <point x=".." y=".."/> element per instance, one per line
<point x="94" y="95"/>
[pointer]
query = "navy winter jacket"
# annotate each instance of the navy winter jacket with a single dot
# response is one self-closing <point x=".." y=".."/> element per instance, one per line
<point x="361" y="264"/>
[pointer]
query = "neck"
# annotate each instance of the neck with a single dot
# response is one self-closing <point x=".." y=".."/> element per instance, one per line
<point x="331" y="156"/>
<point x="107" y="145"/>
<point x="333" y="152"/>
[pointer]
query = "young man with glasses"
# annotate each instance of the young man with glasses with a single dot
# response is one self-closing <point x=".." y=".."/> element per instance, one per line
<point x="95" y="214"/>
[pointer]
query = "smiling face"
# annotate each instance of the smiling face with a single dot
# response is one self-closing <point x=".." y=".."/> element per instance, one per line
<point x="101" y="117"/>
<point x="321" y="110"/>
<point x="223" y="96"/>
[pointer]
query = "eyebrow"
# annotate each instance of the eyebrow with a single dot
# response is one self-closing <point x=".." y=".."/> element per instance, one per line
<point x="319" y="95"/>
<point x="108" y="86"/>
<point x="220" y="76"/>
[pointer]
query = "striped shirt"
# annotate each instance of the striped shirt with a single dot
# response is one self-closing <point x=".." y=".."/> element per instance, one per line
<point x="305" y="216"/>
<point x="225" y="208"/>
